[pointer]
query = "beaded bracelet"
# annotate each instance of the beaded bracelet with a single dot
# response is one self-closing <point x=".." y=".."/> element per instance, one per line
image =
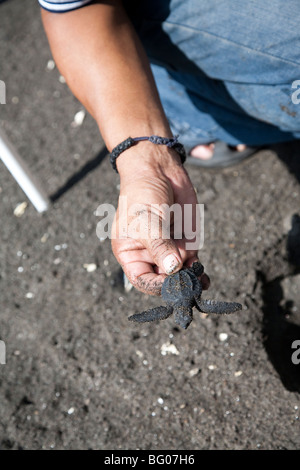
<point x="154" y="139"/>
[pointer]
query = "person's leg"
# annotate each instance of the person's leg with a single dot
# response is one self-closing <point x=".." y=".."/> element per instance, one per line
<point x="229" y="67"/>
<point x="210" y="114"/>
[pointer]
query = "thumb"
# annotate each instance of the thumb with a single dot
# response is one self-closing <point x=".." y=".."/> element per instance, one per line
<point x="165" y="254"/>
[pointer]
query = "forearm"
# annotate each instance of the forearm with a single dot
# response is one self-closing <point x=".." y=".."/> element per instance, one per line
<point x="99" y="54"/>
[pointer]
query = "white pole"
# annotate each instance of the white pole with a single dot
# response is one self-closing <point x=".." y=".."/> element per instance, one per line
<point x="19" y="170"/>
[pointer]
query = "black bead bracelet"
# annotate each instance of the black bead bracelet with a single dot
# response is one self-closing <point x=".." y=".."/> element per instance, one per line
<point x="154" y="139"/>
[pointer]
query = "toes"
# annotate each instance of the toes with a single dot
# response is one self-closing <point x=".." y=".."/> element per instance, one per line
<point x="241" y="147"/>
<point x="204" y="152"/>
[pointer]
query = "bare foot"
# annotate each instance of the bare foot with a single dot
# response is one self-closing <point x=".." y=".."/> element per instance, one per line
<point x="205" y="152"/>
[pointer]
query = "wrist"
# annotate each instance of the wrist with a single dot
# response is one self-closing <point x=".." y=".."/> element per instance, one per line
<point x="144" y="157"/>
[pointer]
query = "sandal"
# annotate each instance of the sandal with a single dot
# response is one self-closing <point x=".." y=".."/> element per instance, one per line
<point x="223" y="156"/>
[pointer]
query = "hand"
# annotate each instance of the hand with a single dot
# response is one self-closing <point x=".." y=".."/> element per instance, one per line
<point x="148" y="181"/>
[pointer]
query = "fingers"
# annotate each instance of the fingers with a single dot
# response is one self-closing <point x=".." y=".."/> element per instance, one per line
<point x="152" y="230"/>
<point x="138" y="266"/>
<point x="141" y="270"/>
<point x="149" y="253"/>
<point x="142" y="276"/>
<point x="165" y="254"/>
<point x="204" y="278"/>
<point x="149" y="283"/>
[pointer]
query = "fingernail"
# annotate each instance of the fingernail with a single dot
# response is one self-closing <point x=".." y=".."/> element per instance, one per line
<point x="171" y="263"/>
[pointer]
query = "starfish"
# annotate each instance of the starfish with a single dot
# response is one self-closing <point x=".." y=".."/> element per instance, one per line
<point x="182" y="291"/>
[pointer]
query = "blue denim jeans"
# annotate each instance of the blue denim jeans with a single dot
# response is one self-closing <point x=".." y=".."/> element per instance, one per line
<point x="224" y="68"/>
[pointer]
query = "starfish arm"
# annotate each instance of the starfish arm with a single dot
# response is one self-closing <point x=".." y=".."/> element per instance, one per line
<point x="214" y="306"/>
<point x="157" y="313"/>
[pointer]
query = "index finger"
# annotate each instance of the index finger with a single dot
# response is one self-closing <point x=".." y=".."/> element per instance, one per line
<point x="142" y="276"/>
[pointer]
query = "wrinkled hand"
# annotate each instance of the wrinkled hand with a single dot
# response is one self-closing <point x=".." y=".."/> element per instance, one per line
<point x="146" y="251"/>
